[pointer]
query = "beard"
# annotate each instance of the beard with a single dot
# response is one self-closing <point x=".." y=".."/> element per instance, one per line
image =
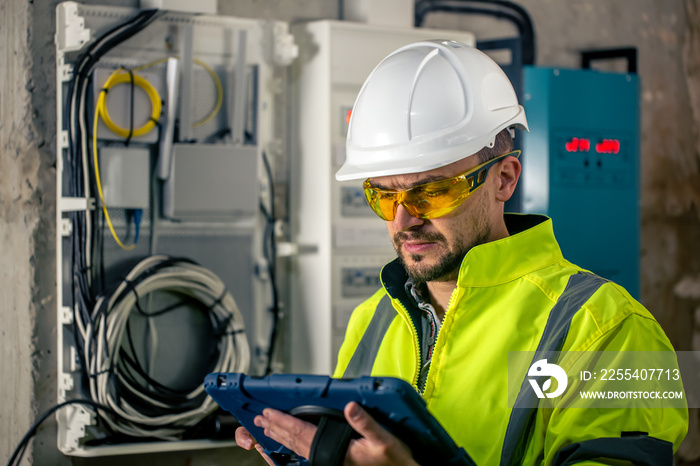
<point x="447" y="266"/>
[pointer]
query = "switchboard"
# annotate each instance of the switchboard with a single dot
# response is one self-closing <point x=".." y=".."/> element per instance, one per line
<point x="581" y="166"/>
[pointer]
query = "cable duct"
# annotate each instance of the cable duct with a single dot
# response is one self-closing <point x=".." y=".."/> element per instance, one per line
<point x="501" y="9"/>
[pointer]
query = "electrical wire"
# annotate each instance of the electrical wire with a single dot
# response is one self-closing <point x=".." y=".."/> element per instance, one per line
<point x="18" y="453"/>
<point x="122" y="76"/>
<point x="270" y="254"/>
<point x="151" y="409"/>
<point x="96" y="165"/>
<point x="518" y="15"/>
<point x="79" y="184"/>
<point x="215" y="79"/>
<point x="219" y="94"/>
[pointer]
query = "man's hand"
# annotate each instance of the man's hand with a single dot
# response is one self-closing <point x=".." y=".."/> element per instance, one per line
<point x="376" y="445"/>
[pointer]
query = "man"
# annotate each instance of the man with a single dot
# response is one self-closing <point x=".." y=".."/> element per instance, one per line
<point x="431" y="134"/>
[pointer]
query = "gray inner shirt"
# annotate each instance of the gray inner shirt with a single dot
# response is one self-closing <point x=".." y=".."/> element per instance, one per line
<point x="430" y="325"/>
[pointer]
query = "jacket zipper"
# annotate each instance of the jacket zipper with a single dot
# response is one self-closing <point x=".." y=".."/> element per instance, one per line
<point x="451" y="301"/>
<point x="416" y="343"/>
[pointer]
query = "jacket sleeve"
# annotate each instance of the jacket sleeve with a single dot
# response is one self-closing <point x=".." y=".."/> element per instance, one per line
<point x="574" y="435"/>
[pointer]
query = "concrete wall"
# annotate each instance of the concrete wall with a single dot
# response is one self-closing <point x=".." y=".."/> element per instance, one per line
<point x="27" y="199"/>
<point x="15" y="249"/>
<point x="666" y="33"/>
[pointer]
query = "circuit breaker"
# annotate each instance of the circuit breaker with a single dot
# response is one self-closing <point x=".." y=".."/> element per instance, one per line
<point x="343" y="245"/>
<point x="581" y="166"/>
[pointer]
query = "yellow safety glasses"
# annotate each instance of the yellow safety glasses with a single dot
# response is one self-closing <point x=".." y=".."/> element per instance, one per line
<point x="430" y="200"/>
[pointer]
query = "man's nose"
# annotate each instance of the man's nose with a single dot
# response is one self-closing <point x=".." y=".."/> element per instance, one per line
<point x="403" y="221"/>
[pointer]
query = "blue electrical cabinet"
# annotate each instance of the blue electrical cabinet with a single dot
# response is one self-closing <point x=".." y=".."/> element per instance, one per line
<point x="581" y="166"/>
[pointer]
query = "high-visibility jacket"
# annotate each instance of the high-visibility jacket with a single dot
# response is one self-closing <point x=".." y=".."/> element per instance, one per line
<point x="514" y="294"/>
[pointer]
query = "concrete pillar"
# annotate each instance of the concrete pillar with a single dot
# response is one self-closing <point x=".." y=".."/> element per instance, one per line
<point x="27" y="214"/>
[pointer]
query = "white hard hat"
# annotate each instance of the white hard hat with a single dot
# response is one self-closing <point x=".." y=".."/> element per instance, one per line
<point x="425" y="106"/>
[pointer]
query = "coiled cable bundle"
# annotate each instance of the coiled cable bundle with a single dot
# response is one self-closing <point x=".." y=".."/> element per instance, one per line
<point x="143" y="406"/>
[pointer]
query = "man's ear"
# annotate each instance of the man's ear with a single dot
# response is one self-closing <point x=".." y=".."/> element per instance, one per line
<point x="508" y="175"/>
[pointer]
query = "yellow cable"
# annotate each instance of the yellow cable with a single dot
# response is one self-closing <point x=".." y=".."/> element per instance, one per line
<point x="155" y="98"/>
<point x="120" y="76"/>
<point x="99" y="184"/>
<point x="148" y="65"/>
<point x="219" y="94"/>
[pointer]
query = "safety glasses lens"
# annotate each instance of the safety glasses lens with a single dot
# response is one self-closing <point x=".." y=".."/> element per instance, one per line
<point x="382" y="203"/>
<point x="422" y="203"/>
<point x="430" y="200"/>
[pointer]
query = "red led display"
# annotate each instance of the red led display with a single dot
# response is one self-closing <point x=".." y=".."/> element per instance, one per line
<point x="347" y="116"/>
<point x="605" y="146"/>
<point x="578" y="145"/>
<point x="608" y="146"/>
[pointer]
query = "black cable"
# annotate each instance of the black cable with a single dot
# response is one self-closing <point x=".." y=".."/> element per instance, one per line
<point x="79" y="289"/>
<point x="83" y="69"/>
<point x="82" y="73"/>
<point x="270" y="253"/>
<point x="99" y="246"/>
<point x="131" y="110"/>
<point x="76" y="99"/>
<point x="217" y="136"/>
<point x="16" y="457"/>
<point x="459" y="7"/>
<point x="82" y="275"/>
<point x="177" y="397"/>
<point x="522" y="18"/>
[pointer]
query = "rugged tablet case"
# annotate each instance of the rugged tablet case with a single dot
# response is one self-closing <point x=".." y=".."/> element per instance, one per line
<point x="392" y="402"/>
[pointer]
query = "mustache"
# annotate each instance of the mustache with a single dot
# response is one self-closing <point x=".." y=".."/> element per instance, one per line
<point x="417" y="235"/>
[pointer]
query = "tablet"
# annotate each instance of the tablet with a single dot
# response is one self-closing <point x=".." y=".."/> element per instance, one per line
<point x="394" y="403"/>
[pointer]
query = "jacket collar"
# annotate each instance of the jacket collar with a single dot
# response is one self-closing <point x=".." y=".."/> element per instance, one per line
<point x="531" y="246"/>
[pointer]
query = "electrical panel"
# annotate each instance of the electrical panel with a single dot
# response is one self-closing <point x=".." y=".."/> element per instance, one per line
<point x="581" y="166"/>
<point x="342" y="243"/>
<point x="169" y="139"/>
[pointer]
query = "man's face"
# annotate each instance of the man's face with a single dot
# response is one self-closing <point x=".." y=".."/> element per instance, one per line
<point x="433" y="249"/>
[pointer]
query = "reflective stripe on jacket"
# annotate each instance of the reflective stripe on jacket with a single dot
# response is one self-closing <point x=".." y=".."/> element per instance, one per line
<point x="514" y="294"/>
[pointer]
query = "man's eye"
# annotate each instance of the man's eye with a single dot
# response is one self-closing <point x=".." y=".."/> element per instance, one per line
<point x="434" y="192"/>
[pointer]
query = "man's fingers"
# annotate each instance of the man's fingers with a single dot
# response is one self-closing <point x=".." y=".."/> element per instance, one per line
<point x="293" y="433"/>
<point x="247" y="442"/>
<point x="364" y="424"/>
<point x="244" y="439"/>
<point x="377" y="445"/>
<point x="267" y="459"/>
